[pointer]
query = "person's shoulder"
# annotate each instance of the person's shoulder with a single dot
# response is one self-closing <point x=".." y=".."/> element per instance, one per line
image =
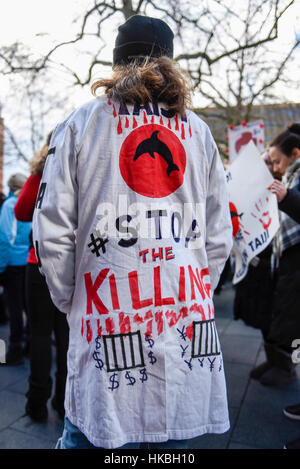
<point x="196" y="120"/>
<point x="10" y="202"/>
<point x="82" y="114"/>
<point x="90" y="107"/>
<point x="8" y="205"/>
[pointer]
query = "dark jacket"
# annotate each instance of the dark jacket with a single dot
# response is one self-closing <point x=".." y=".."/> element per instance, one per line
<point x="285" y="325"/>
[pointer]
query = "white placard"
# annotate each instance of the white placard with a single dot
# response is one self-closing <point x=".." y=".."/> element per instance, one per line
<point x="254" y="209"/>
<point x="241" y="135"/>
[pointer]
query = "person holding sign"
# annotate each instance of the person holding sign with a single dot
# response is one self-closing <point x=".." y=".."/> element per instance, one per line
<point x="253" y="293"/>
<point x="285" y="324"/>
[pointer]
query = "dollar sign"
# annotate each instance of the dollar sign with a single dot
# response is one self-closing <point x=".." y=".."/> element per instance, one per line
<point x="149" y="340"/>
<point x="98" y="343"/>
<point x="114" y="382"/>
<point x="152" y="358"/>
<point x="144" y="375"/>
<point x="98" y="360"/>
<point x="130" y="378"/>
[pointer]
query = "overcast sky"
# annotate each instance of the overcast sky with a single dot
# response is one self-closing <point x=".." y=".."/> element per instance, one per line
<point x="24" y="19"/>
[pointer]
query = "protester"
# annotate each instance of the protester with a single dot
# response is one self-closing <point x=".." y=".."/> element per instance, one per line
<point x="285" y="156"/>
<point x="3" y="313"/>
<point x="44" y="317"/>
<point x="138" y="304"/>
<point x="285" y="325"/>
<point x="253" y="294"/>
<point x="14" y="246"/>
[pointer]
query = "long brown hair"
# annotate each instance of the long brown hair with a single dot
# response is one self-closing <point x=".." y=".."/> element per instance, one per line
<point x="38" y="160"/>
<point x="159" y="80"/>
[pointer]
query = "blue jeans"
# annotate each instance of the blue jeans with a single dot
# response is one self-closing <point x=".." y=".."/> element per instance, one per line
<point x="73" y="438"/>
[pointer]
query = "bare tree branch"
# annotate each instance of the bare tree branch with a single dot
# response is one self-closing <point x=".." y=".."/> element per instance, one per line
<point x="19" y="152"/>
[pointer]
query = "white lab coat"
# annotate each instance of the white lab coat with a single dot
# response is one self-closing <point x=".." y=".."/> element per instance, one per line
<point x="132" y="230"/>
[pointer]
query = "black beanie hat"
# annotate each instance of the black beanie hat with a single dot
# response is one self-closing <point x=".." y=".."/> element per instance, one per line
<point x="142" y="36"/>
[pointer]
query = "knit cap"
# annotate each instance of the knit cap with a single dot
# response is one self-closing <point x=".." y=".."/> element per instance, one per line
<point x="142" y="36"/>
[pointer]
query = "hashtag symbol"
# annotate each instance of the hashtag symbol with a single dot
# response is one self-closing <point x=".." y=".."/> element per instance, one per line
<point x="97" y="244"/>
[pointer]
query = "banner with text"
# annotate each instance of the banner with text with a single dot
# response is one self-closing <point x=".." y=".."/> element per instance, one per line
<point x="241" y="135"/>
<point x="253" y="208"/>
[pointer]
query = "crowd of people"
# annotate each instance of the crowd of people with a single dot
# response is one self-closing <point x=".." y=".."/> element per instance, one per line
<point x="43" y="295"/>
<point x="268" y="297"/>
<point x="25" y="299"/>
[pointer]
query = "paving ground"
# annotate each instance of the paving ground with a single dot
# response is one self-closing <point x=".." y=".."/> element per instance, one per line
<point x="256" y="415"/>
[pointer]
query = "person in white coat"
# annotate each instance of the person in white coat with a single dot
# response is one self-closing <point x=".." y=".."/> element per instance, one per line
<point x="132" y="230"/>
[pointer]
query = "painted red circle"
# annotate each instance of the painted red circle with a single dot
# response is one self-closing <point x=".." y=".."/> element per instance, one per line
<point x="152" y="161"/>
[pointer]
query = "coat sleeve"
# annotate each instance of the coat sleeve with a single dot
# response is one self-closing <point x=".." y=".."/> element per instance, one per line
<point x="55" y="218"/>
<point x="291" y="204"/>
<point x="26" y="201"/>
<point x="218" y="220"/>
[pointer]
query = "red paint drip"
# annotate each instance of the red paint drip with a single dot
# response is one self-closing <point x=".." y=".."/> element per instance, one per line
<point x="126" y="123"/>
<point x="134" y="124"/>
<point x="190" y="129"/>
<point x="89" y="333"/>
<point x="152" y="120"/>
<point x="169" y="124"/>
<point x="82" y="328"/>
<point x="120" y="130"/>
<point x="109" y="102"/>
<point x="138" y="319"/>
<point x="99" y="328"/>
<point x="145" y="119"/>
<point x="161" y="121"/>
<point x="114" y="111"/>
<point x="148" y="315"/>
<point x="149" y="329"/>
<point x="189" y="331"/>
<point x="110" y="326"/>
<point x="124" y="323"/>
<point x="182" y="131"/>
<point x="176" y="123"/>
<point x="159" y="322"/>
<point x="173" y="318"/>
<point x="184" y="312"/>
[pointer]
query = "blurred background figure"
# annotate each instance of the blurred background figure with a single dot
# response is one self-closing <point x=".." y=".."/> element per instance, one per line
<point x="285" y="327"/>
<point x="253" y="294"/>
<point x="285" y="323"/>
<point x="3" y="313"/>
<point x="44" y="317"/>
<point x="14" y="247"/>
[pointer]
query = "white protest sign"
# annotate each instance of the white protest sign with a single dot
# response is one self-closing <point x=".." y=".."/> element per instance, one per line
<point x="241" y="135"/>
<point x="254" y="210"/>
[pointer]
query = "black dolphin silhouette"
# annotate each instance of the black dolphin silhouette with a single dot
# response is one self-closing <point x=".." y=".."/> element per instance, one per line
<point x="235" y="214"/>
<point x="154" y="145"/>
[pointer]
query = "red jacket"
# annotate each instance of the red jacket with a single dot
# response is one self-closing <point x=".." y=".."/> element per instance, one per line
<point x="24" y="207"/>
